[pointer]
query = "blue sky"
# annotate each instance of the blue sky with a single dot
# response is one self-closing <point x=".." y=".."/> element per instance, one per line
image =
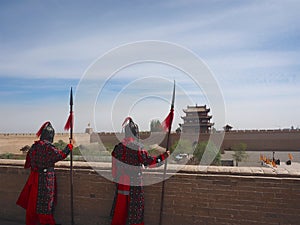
<point x="252" y="48"/>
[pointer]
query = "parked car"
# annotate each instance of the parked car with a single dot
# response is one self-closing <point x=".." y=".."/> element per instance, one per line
<point x="181" y="156"/>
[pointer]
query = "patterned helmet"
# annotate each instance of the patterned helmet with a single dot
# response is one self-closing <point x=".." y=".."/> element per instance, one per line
<point x="131" y="129"/>
<point x="46" y="132"/>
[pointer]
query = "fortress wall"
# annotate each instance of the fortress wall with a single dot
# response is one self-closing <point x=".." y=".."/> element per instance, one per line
<point x="217" y="195"/>
<point x="256" y="140"/>
<point x="264" y="140"/>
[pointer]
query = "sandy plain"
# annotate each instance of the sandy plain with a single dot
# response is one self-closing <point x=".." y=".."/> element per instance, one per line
<point x="12" y="143"/>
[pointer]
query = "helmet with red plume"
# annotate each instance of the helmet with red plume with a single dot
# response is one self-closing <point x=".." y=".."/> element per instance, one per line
<point x="46" y="132"/>
<point x="131" y="129"/>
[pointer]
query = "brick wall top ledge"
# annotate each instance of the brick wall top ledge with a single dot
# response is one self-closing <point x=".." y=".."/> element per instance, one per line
<point x="182" y="169"/>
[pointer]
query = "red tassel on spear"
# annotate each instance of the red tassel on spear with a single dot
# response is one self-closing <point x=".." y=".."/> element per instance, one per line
<point x="69" y="126"/>
<point x="69" y="122"/>
<point x="167" y="123"/>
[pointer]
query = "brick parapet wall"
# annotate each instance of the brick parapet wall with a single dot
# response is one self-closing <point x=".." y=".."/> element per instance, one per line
<point x="194" y="195"/>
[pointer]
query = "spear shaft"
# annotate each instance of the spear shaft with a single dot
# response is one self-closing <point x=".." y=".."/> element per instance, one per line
<point x="166" y="161"/>
<point x="71" y="159"/>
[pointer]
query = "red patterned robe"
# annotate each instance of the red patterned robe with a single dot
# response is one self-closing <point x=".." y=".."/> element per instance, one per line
<point x="128" y="158"/>
<point x="38" y="196"/>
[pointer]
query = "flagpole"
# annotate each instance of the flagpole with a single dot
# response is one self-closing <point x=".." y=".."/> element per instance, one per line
<point x="166" y="160"/>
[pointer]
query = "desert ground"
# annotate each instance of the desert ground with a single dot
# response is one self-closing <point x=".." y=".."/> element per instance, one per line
<point x="12" y="143"/>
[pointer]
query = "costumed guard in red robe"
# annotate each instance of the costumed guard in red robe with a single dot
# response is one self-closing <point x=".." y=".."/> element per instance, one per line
<point x="128" y="158"/>
<point x="38" y="196"/>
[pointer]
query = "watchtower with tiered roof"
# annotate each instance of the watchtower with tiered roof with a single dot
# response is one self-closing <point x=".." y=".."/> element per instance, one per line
<point x="196" y="120"/>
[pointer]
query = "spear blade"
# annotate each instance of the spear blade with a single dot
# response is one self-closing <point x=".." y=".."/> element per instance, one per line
<point x="71" y="97"/>
<point x="173" y="97"/>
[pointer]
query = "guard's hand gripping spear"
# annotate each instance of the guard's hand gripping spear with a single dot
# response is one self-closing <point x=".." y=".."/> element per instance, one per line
<point x="69" y="126"/>
<point x="167" y="125"/>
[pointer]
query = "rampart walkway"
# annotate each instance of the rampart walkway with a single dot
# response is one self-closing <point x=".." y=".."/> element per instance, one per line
<point x="195" y="195"/>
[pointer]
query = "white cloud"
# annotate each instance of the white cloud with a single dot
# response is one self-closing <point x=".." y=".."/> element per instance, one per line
<point x="244" y="44"/>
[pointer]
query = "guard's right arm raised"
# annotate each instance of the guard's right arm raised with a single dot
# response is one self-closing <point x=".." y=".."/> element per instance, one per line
<point x="152" y="161"/>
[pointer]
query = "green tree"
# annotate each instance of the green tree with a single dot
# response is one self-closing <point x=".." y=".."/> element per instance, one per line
<point x="207" y="153"/>
<point x="60" y="144"/>
<point x="239" y="152"/>
<point x="182" y="146"/>
<point x="155" y="126"/>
